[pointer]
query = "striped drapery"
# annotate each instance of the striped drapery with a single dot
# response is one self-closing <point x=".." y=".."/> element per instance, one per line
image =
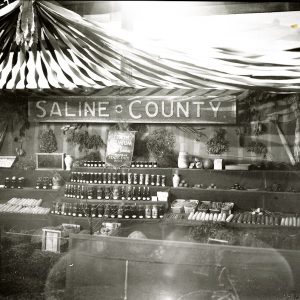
<point x="72" y="53"/>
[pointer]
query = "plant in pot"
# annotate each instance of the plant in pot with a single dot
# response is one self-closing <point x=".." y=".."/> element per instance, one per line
<point x="160" y="143"/>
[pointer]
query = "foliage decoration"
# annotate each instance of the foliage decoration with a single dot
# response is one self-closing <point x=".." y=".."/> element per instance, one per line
<point x="218" y="144"/>
<point x="25" y="163"/>
<point x="48" y="143"/>
<point x="257" y="148"/>
<point x="77" y="136"/>
<point x="160" y="143"/>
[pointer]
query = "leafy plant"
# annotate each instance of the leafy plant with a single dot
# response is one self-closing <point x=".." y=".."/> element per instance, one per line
<point x="161" y="144"/>
<point x="83" y="139"/>
<point x="48" y="143"/>
<point x="25" y="163"/>
<point x="218" y="144"/>
<point x="257" y="148"/>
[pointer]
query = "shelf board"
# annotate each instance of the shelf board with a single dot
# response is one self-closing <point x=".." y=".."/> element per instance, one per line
<point x="105" y="219"/>
<point x="233" y="191"/>
<point x="113" y="201"/>
<point x="185" y="222"/>
<point x="117" y="184"/>
<point x="237" y="171"/>
<point x="29" y="189"/>
<point x="76" y="169"/>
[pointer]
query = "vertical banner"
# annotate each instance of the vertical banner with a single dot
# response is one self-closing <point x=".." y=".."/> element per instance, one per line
<point x="119" y="151"/>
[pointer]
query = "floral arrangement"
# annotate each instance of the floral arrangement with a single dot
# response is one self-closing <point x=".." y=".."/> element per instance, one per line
<point x="48" y="143"/>
<point x="218" y="144"/>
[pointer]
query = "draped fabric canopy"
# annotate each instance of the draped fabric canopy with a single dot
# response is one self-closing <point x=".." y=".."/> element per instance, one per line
<point x="44" y="46"/>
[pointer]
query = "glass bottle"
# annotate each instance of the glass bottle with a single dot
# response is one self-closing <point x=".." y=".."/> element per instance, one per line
<point x="100" y="210"/>
<point x="7" y="183"/>
<point x="148" y="212"/>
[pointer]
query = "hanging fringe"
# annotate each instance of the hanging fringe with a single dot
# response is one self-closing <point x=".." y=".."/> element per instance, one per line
<point x="26" y="32"/>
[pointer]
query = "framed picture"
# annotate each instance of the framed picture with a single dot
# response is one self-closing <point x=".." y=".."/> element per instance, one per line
<point x="51" y="240"/>
<point x="50" y="161"/>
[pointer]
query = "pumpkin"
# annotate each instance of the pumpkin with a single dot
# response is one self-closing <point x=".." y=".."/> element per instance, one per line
<point x="208" y="163"/>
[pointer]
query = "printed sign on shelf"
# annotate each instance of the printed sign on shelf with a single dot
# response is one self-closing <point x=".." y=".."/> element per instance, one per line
<point x="119" y="151"/>
<point x="130" y="109"/>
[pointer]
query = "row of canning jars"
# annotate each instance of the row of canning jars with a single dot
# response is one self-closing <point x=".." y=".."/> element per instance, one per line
<point x="108" y="193"/>
<point x="108" y="211"/>
<point x="134" y="164"/>
<point x="118" y="178"/>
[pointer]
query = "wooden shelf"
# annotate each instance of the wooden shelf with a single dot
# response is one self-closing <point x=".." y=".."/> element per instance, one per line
<point x="146" y="202"/>
<point x="118" y="184"/>
<point x="105" y="219"/>
<point x="31" y="189"/>
<point x="91" y="169"/>
<point x="185" y="222"/>
<point x="254" y="191"/>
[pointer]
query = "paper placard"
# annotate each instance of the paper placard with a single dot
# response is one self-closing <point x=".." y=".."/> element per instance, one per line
<point x="119" y="151"/>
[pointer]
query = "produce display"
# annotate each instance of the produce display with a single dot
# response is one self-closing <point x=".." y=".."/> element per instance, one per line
<point x="24" y="206"/>
<point x="277" y="219"/>
<point x="237" y="186"/>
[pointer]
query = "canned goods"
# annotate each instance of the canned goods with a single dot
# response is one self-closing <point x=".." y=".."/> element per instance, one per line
<point x="91" y="175"/>
<point x="99" y="193"/>
<point x="99" y="178"/>
<point x="148" y="212"/>
<point x="135" y="178"/>
<point x="109" y="178"/>
<point x="147" y="179"/>
<point x="122" y="193"/>
<point x="129" y="193"/>
<point x="119" y="178"/>
<point x="152" y="180"/>
<point x="116" y="193"/>
<point x="158" y="179"/>
<point x="134" y="193"/>
<point x="95" y="178"/>
<point x="141" y="180"/>
<point x="114" y="178"/>
<point x="104" y="177"/>
<point x="129" y="178"/>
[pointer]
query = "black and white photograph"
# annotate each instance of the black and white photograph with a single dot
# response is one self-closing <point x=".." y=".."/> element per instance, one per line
<point x="149" y="150"/>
